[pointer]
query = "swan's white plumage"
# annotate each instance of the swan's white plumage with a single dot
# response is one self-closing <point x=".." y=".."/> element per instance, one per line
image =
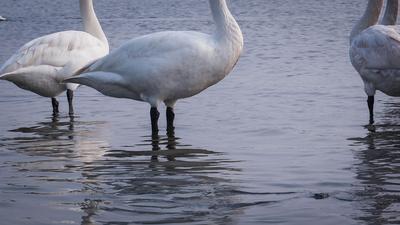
<point x="154" y="67"/>
<point x="375" y="54"/>
<point x="44" y="62"/>
<point x="167" y="66"/>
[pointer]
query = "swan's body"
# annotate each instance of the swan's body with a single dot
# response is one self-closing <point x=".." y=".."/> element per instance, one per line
<point x="167" y="66"/>
<point x="3" y="18"/>
<point x="375" y="53"/>
<point x="42" y="64"/>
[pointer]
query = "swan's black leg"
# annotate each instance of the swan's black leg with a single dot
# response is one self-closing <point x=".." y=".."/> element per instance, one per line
<point x="170" y="119"/>
<point x="70" y="96"/>
<point x="54" y="103"/>
<point x="370" y="101"/>
<point x="154" y="115"/>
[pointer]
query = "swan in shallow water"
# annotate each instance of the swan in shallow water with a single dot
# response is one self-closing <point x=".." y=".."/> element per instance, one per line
<point x="167" y="66"/>
<point x="42" y="64"/>
<point x="3" y="18"/>
<point x="375" y="53"/>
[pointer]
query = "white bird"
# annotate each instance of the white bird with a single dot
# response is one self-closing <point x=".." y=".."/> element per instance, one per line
<point x="375" y="53"/>
<point x="42" y="64"/>
<point x="167" y="66"/>
<point x="3" y="18"/>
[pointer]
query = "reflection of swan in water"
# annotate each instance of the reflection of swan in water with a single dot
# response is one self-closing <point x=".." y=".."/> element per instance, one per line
<point x="173" y="153"/>
<point x="168" y="183"/>
<point x="377" y="170"/>
<point x="59" y="138"/>
<point x="162" y="181"/>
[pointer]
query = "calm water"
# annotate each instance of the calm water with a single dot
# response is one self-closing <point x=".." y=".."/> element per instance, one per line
<point x="279" y="141"/>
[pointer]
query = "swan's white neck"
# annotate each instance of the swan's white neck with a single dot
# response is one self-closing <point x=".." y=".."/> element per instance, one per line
<point x="390" y="16"/>
<point x="90" y="22"/>
<point x="227" y="28"/>
<point x="370" y="17"/>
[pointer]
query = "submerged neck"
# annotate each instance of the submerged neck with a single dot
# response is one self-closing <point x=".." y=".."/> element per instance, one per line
<point x="90" y="22"/>
<point x="227" y="27"/>
<point x="370" y="17"/>
<point x="390" y="16"/>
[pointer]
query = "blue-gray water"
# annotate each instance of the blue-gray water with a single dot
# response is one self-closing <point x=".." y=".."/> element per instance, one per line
<point x="281" y="140"/>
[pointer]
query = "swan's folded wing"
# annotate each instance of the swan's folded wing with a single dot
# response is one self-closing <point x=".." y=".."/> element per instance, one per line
<point x="378" y="47"/>
<point x="161" y="47"/>
<point x="57" y="49"/>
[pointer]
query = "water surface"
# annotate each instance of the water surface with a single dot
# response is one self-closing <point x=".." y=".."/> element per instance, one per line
<point x="281" y="140"/>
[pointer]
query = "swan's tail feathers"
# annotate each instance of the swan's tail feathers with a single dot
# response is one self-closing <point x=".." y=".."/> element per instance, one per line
<point x="110" y="84"/>
<point x="85" y="68"/>
<point x="22" y="74"/>
<point x="78" y="79"/>
<point x="9" y="76"/>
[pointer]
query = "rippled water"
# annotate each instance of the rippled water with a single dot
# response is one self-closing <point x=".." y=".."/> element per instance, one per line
<point x="279" y="141"/>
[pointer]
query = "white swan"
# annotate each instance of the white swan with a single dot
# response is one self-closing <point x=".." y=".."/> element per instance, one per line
<point x="390" y="16"/>
<point x="375" y="54"/>
<point x="42" y="64"/>
<point x="167" y="66"/>
<point x="3" y="18"/>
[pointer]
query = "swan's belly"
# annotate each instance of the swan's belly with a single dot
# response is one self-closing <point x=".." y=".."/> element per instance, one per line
<point x="386" y="81"/>
<point x="45" y="90"/>
<point x="390" y="87"/>
<point x="186" y="86"/>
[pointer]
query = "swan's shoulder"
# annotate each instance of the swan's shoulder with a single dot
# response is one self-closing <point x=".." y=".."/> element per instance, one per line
<point x="56" y="50"/>
<point x="378" y="47"/>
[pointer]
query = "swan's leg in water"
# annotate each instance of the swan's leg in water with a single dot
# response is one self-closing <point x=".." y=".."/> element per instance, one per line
<point x="70" y="96"/>
<point x="54" y="103"/>
<point x="154" y="115"/>
<point x="370" y="101"/>
<point x="170" y="119"/>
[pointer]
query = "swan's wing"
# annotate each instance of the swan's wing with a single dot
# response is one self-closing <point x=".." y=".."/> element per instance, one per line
<point x="163" y="48"/>
<point x="59" y="50"/>
<point x="377" y="47"/>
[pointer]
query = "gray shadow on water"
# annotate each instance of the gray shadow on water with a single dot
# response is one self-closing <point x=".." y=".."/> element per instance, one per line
<point x="378" y="170"/>
<point x="70" y="164"/>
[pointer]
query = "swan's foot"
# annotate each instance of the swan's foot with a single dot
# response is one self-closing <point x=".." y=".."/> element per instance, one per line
<point x="55" y="104"/>
<point x="70" y="96"/>
<point x="154" y="115"/>
<point x="170" y="119"/>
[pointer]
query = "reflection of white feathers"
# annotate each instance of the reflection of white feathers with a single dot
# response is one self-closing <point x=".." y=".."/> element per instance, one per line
<point x="41" y="64"/>
<point x="167" y="66"/>
<point x="91" y="145"/>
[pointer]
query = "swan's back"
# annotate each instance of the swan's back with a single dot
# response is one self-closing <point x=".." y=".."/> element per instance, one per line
<point x="377" y="47"/>
<point x="56" y="50"/>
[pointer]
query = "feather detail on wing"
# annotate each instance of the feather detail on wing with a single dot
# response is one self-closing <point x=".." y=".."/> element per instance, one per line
<point x="57" y="50"/>
<point x="376" y="48"/>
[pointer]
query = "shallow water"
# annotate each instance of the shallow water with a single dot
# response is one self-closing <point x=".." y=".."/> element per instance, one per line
<point x="281" y="140"/>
